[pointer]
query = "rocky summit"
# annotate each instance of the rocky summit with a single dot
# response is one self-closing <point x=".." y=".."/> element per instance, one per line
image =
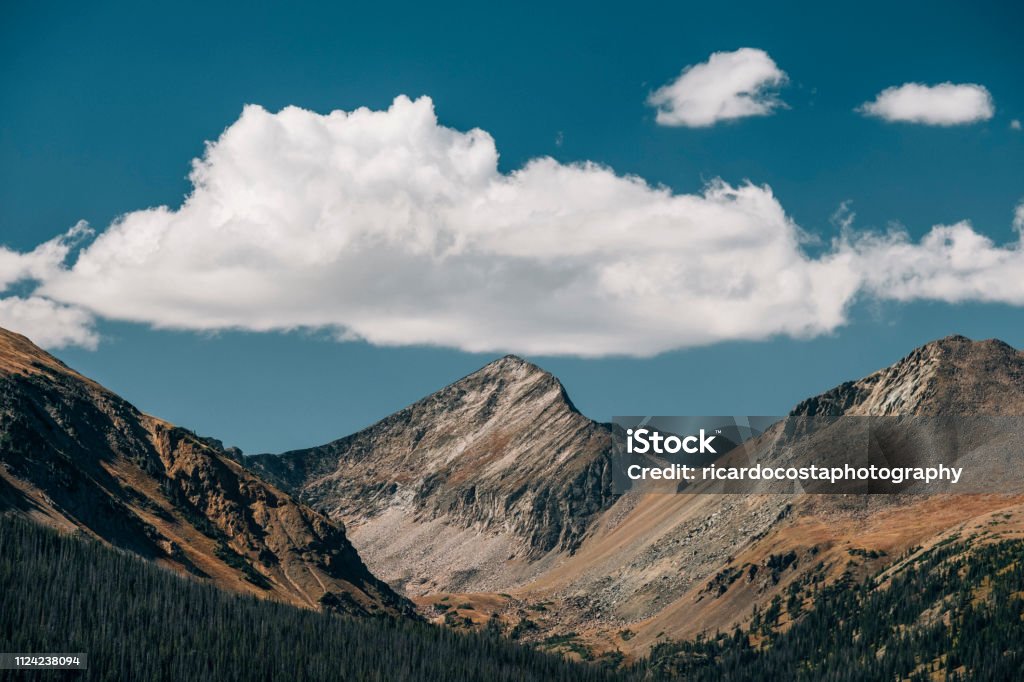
<point x="489" y="504"/>
<point x="948" y="377"/>
<point x="472" y="482"/>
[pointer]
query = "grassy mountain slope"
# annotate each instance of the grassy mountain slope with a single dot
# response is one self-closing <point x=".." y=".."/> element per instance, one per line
<point x="950" y="611"/>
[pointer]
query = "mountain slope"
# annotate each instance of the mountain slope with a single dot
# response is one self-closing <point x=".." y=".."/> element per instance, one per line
<point x="952" y="611"/>
<point x="442" y="494"/>
<point x="76" y="456"/>
<point x="849" y="536"/>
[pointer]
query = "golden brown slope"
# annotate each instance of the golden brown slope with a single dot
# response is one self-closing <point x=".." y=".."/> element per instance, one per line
<point x="74" y="455"/>
<point x="709" y="576"/>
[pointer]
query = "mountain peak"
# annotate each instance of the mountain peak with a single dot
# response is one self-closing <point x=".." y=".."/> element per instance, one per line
<point x="513" y="358"/>
<point x="951" y="376"/>
<point x="511" y="364"/>
<point x="75" y="455"/>
<point x="963" y="344"/>
<point x="500" y="462"/>
<point x="509" y="375"/>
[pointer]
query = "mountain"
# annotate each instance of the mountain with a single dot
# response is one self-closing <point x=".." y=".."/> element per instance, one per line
<point x="950" y="377"/>
<point x="490" y="503"/>
<point x="465" y="488"/>
<point x="77" y="457"/>
<point x="442" y="499"/>
<point x="830" y="539"/>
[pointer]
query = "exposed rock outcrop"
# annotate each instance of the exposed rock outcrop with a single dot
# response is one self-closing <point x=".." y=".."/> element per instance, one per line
<point x="496" y="484"/>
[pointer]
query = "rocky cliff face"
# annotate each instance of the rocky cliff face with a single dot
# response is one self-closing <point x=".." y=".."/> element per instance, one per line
<point x="499" y="463"/>
<point x="74" y="455"/>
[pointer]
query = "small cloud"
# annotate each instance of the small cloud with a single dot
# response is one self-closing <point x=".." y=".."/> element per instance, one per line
<point x="50" y="324"/>
<point x="559" y="139"/>
<point x="945" y="104"/>
<point x="843" y="217"/>
<point x="1015" y="124"/>
<point x="1018" y="217"/>
<point x="729" y="85"/>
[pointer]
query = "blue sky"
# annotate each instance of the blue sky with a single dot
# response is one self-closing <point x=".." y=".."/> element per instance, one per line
<point x="105" y="106"/>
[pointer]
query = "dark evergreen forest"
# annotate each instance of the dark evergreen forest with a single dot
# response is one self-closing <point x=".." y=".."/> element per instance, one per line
<point x="137" y="621"/>
<point x="951" y="613"/>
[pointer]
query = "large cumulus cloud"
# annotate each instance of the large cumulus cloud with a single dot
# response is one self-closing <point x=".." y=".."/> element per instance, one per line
<point x="389" y="227"/>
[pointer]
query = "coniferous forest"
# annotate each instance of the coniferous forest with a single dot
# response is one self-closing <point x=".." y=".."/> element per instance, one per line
<point x="955" y="612"/>
<point x="137" y="621"/>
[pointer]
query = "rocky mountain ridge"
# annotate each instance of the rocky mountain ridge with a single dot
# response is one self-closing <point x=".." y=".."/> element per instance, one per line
<point x="76" y="456"/>
<point x="652" y="566"/>
<point x="488" y="501"/>
<point x="953" y="375"/>
<point x="501" y="453"/>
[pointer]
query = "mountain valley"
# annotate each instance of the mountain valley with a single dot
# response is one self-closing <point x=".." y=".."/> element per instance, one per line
<point x="489" y="505"/>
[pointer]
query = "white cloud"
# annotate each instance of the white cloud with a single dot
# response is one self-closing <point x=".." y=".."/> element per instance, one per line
<point x="388" y="227"/>
<point x="952" y="263"/>
<point x="49" y="324"/>
<point x="44" y="260"/>
<point x="727" y="86"/>
<point x="1015" y="124"/>
<point x="394" y="229"/>
<point x="945" y="104"/>
<point x="1018" y="218"/>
